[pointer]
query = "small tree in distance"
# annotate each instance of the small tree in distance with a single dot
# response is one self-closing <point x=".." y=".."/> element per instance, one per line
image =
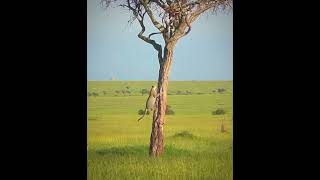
<point x="221" y="90"/>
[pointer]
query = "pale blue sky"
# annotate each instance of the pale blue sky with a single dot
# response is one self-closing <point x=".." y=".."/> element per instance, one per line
<point x="114" y="49"/>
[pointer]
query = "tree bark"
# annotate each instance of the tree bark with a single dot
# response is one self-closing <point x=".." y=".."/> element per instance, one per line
<point x="157" y="134"/>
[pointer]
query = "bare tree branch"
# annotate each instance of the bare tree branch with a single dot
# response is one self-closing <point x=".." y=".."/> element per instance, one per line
<point x="205" y="5"/>
<point x="176" y="16"/>
<point x="157" y="46"/>
<point x="160" y="3"/>
<point x="151" y="16"/>
<point x="154" y="34"/>
<point x="196" y="9"/>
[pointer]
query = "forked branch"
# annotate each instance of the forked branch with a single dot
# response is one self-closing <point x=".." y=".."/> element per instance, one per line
<point x="154" y="34"/>
<point x="147" y="39"/>
<point x="153" y="19"/>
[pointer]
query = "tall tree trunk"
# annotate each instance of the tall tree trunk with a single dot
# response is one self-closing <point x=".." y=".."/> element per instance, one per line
<point x="157" y="134"/>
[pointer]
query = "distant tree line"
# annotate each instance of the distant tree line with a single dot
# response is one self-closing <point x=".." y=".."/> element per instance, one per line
<point x="94" y="94"/>
<point x="128" y="92"/>
<point x="219" y="90"/>
<point x="123" y="92"/>
<point x="187" y="92"/>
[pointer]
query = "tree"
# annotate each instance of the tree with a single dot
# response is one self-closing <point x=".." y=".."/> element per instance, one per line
<point x="173" y="20"/>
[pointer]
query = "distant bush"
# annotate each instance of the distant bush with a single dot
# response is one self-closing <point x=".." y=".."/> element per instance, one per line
<point x="129" y="92"/>
<point x="144" y="91"/>
<point x="188" y="92"/>
<point x="221" y="90"/>
<point x="179" y="92"/>
<point x="117" y="91"/>
<point x="128" y="87"/>
<point x="95" y="94"/>
<point x="219" y="112"/>
<point x="89" y="94"/>
<point x="169" y="111"/>
<point x="183" y="92"/>
<point x="104" y="93"/>
<point x="214" y="91"/>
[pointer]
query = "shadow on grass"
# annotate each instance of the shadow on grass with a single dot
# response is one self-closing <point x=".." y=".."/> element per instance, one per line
<point x="124" y="151"/>
<point x="140" y="150"/>
<point x="184" y="134"/>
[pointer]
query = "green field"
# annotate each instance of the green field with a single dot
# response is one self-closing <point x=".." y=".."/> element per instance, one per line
<point x="194" y="146"/>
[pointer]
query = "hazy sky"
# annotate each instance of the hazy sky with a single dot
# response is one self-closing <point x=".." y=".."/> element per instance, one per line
<point x="114" y="49"/>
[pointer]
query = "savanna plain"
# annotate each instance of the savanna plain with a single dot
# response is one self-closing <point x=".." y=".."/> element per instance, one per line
<point x="195" y="147"/>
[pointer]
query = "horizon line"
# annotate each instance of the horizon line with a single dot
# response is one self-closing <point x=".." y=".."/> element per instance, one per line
<point x="157" y="80"/>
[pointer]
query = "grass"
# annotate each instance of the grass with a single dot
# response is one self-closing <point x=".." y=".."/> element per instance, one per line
<point x="194" y="146"/>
